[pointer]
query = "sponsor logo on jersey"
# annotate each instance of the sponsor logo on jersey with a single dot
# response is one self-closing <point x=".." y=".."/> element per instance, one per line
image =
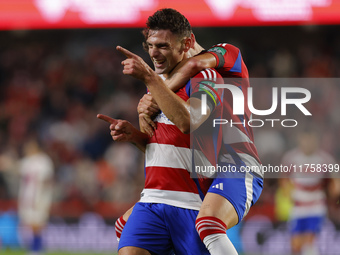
<point x="218" y="50"/>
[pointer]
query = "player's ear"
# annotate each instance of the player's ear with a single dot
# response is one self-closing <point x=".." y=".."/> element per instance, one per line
<point x="187" y="44"/>
<point x="193" y="40"/>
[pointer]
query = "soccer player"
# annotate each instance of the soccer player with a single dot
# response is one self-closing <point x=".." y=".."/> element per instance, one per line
<point x="308" y="193"/>
<point x="36" y="191"/>
<point x="163" y="221"/>
<point x="221" y="209"/>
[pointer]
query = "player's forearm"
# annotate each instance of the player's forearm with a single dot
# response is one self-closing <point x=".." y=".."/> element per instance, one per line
<point x="175" y="109"/>
<point x="188" y="68"/>
<point x="139" y="140"/>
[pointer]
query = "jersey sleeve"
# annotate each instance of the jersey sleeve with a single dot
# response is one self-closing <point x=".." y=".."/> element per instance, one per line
<point x="229" y="60"/>
<point x="205" y="83"/>
<point x="219" y="54"/>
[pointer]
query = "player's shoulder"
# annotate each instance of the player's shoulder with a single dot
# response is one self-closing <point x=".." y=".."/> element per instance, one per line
<point x="222" y="48"/>
<point x="44" y="160"/>
<point x="326" y="157"/>
<point x="206" y="80"/>
<point x="208" y="74"/>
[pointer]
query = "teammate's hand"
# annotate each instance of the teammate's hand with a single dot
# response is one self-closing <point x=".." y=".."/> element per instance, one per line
<point x="148" y="106"/>
<point x="120" y="130"/>
<point x="134" y="65"/>
<point x="144" y="125"/>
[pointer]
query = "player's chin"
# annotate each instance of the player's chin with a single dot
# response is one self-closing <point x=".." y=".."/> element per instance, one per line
<point x="159" y="70"/>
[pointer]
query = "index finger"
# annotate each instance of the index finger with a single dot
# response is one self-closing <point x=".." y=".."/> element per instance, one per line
<point x="107" y="119"/>
<point x="126" y="52"/>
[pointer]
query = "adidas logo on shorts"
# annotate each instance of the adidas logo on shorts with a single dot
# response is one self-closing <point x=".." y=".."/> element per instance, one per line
<point x="218" y="186"/>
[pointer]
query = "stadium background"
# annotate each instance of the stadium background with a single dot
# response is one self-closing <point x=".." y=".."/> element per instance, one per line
<point x="56" y="75"/>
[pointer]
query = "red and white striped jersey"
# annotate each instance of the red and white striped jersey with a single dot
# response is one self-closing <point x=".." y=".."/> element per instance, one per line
<point x="168" y="155"/>
<point x="308" y="195"/>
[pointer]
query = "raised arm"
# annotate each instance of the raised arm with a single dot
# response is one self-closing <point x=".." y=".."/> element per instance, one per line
<point x="179" y="76"/>
<point x="176" y="109"/>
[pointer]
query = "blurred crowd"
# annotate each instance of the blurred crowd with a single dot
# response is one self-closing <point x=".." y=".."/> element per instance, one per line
<point x="54" y="82"/>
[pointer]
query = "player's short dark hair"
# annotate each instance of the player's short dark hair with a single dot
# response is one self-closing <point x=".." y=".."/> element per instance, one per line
<point x="168" y="19"/>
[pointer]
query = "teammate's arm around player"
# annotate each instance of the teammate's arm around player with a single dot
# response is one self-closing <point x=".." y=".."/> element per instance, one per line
<point x="190" y="66"/>
<point x="178" y="111"/>
<point x="186" y="69"/>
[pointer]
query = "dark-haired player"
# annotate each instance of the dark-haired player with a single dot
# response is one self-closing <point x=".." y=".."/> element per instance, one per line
<point x="163" y="221"/>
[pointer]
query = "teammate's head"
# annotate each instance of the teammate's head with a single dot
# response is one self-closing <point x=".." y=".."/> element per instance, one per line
<point x="169" y="19"/>
<point x="168" y="38"/>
